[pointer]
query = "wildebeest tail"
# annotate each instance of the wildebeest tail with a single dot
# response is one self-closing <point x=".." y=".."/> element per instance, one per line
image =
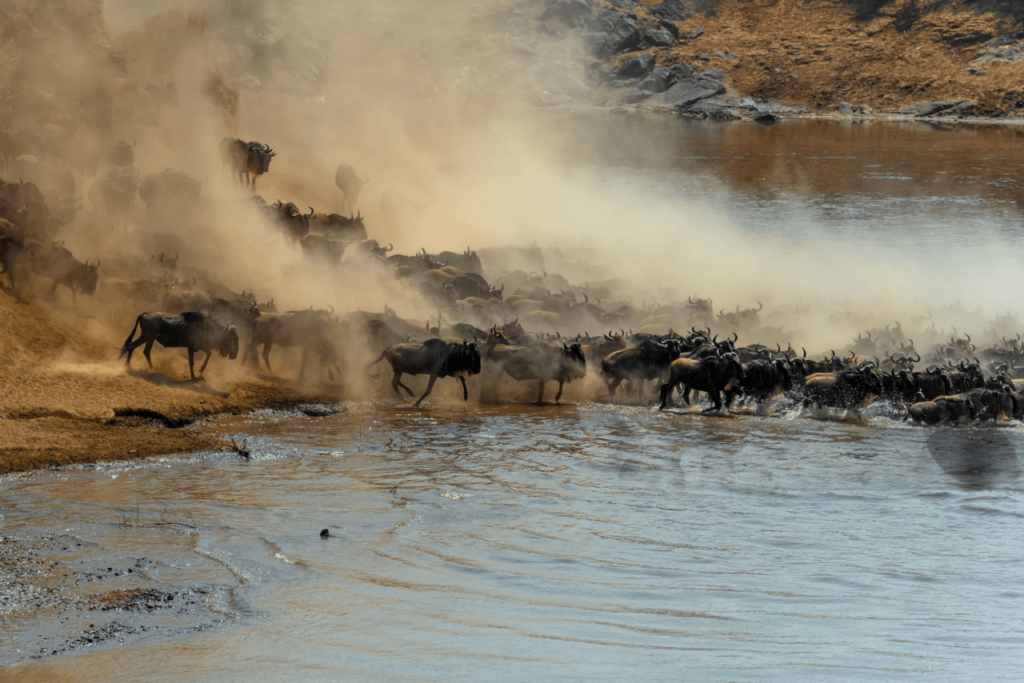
<point x="130" y="339"/>
<point x="371" y="364"/>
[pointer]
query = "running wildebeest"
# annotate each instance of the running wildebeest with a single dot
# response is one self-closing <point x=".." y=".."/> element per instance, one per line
<point x="350" y="184"/>
<point x="436" y="357"/>
<point x="192" y="330"/>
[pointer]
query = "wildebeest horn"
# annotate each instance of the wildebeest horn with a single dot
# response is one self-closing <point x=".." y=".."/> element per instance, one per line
<point x="175" y="254"/>
<point x="311" y="212"/>
<point x="161" y="257"/>
<point x="918" y="359"/>
<point x="735" y="337"/>
<point x="721" y="312"/>
<point x="715" y="340"/>
<point x="194" y="282"/>
<point x="331" y="307"/>
<point x="391" y="247"/>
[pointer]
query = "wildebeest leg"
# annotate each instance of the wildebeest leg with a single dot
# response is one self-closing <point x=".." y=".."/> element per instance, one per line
<point x="302" y="366"/>
<point x="666" y="395"/>
<point x="266" y="356"/>
<point x="613" y="385"/>
<point x="430" y="386"/>
<point x="540" y="391"/>
<point x="686" y="395"/>
<point x="396" y="382"/>
<point x="465" y="392"/>
<point x="203" y="369"/>
<point x="192" y="363"/>
<point x="716" y="398"/>
<point x="558" y="396"/>
<point x="146" y="351"/>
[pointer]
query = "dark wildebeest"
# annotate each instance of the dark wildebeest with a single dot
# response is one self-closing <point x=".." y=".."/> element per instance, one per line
<point x="15" y="259"/>
<point x="595" y="352"/>
<point x="318" y="246"/>
<point x="350" y="184"/>
<point x="467" y="261"/>
<point x="58" y="264"/>
<point x="649" y="360"/>
<point x="289" y="217"/>
<point x="247" y="160"/>
<point x="712" y="375"/>
<point x="436" y="357"/>
<point x="846" y="389"/>
<point x="761" y="379"/>
<point x="542" y="362"/>
<point x="310" y="329"/>
<point x="338" y="226"/>
<point x="122" y="153"/>
<point x="170" y="187"/>
<point x="942" y="409"/>
<point x="115" y="192"/>
<point x="191" y="330"/>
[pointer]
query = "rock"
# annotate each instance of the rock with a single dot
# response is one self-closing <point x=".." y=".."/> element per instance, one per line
<point x="611" y="32"/>
<point x="716" y="74"/>
<point x="625" y="4"/>
<point x="865" y="110"/>
<point x="716" y="109"/>
<point x="952" y="108"/>
<point x="846" y="108"/>
<point x="652" y="84"/>
<point x="697" y="32"/>
<point x="319" y="409"/>
<point x="977" y="72"/>
<point x="767" y="118"/>
<point x="689" y="91"/>
<point x="724" y="55"/>
<point x="670" y="26"/>
<point x="570" y="11"/>
<point x="681" y="71"/>
<point x="635" y="67"/>
<point x="655" y="38"/>
<point x="672" y="10"/>
<point x="703" y="58"/>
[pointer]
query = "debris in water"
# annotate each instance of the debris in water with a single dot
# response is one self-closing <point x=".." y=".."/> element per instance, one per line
<point x="325" y="533"/>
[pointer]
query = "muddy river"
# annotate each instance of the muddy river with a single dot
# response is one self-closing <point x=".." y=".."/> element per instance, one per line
<point x="584" y="541"/>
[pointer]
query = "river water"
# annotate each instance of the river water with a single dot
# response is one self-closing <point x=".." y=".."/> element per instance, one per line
<point x="587" y="541"/>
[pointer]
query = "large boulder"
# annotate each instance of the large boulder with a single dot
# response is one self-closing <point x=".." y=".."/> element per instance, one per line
<point x="610" y="33"/>
<point x="656" y="38"/>
<point x="950" y="108"/>
<point x="635" y="67"/>
<point x="689" y="91"/>
<point x="651" y="84"/>
<point x="672" y="10"/>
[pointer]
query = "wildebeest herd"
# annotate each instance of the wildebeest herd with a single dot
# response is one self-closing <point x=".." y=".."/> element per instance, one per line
<point x="509" y="322"/>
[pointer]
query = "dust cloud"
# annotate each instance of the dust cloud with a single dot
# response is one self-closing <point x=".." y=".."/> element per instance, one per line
<point x="435" y="104"/>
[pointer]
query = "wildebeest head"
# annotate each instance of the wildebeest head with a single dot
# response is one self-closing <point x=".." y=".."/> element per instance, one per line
<point x="264" y="154"/>
<point x="88" y="277"/>
<point x="229" y="343"/>
<point x="578" y="362"/>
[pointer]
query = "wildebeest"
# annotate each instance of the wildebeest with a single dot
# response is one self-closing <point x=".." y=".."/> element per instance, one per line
<point x="192" y="330"/>
<point x="762" y="378"/>
<point x="247" y="160"/>
<point x="649" y="360"/>
<point x="542" y="362"/>
<point x="467" y="261"/>
<point x="350" y="184"/>
<point x="310" y="329"/>
<point x="337" y="226"/>
<point x="170" y="187"/>
<point x="320" y="246"/>
<point x="713" y="375"/>
<point x="846" y="389"/>
<point x="291" y="218"/>
<point x="595" y="352"/>
<point x="60" y="265"/>
<point x="122" y="153"/>
<point x="115" y="192"/>
<point x="942" y="409"/>
<point x="15" y="257"/>
<point x="436" y="357"/>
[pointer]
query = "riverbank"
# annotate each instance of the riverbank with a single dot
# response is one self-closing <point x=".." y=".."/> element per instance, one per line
<point x="65" y="399"/>
<point x="736" y="59"/>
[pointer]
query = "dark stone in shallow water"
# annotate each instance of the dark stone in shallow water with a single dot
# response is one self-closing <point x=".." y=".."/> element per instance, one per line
<point x="319" y="410"/>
